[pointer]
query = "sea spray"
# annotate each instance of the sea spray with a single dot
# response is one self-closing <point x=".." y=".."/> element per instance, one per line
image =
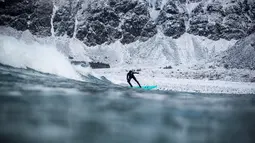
<point x="26" y="53"/>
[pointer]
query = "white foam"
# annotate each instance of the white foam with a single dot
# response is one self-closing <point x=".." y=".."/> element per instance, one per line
<point x="78" y="50"/>
<point x="28" y="53"/>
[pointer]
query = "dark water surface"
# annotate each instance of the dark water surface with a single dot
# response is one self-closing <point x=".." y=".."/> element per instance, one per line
<point x="39" y="108"/>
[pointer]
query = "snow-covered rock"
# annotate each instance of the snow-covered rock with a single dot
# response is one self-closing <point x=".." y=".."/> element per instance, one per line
<point x="97" y="22"/>
<point x="32" y="15"/>
<point x="111" y="20"/>
<point x="242" y="55"/>
<point x="223" y="19"/>
<point x="158" y="32"/>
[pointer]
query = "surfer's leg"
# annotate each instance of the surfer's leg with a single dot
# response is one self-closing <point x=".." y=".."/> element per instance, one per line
<point x="137" y="82"/>
<point x="130" y="83"/>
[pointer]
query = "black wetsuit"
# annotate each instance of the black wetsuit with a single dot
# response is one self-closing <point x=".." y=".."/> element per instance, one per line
<point x="130" y="75"/>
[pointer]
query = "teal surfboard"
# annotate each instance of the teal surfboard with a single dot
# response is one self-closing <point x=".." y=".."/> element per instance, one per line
<point x="147" y="87"/>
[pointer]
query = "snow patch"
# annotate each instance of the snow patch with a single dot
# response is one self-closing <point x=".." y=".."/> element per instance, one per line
<point x="153" y="12"/>
<point x="190" y="6"/>
<point x="159" y="50"/>
<point x="55" y="8"/>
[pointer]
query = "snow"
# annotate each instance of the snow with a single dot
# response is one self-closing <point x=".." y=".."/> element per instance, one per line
<point x="55" y="8"/>
<point x="160" y="50"/>
<point x="163" y="3"/>
<point x="190" y="6"/>
<point x="75" y="26"/>
<point x="153" y="12"/>
<point x="242" y="55"/>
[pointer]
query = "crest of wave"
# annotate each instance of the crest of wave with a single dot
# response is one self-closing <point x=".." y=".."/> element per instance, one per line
<point x="23" y="50"/>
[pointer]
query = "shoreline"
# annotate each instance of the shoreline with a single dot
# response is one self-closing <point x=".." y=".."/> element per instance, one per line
<point x="164" y="82"/>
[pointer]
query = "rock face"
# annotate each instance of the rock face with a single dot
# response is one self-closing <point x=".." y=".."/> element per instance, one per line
<point x="172" y="18"/>
<point x="64" y="18"/>
<point x="228" y="20"/>
<point x="97" y="22"/>
<point x="242" y="55"/>
<point x="32" y="15"/>
<point x="113" y="20"/>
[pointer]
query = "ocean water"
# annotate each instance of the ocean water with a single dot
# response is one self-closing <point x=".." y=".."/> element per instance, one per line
<point x="38" y="108"/>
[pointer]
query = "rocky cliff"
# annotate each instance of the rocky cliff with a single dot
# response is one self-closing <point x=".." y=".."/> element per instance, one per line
<point x="32" y="15"/>
<point x="240" y="56"/>
<point x="111" y="20"/>
<point x="99" y="22"/>
<point x="230" y="19"/>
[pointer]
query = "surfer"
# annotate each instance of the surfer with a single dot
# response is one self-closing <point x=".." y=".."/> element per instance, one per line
<point x="131" y="75"/>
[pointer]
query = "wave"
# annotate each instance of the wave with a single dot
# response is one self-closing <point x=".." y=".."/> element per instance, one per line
<point x="45" y="58"/>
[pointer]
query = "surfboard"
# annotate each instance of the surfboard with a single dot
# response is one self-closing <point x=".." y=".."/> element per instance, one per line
<point x="147" y="87"/>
